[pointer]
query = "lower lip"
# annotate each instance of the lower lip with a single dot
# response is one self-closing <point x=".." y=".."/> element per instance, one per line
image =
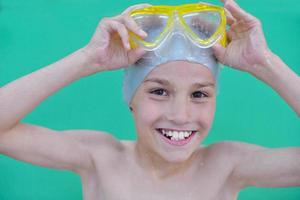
<point x="175" y="142"/>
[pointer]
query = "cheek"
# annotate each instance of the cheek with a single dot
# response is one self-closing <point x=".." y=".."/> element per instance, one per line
<point x="145" y="118"/>
<point x="205" y="114"/>
<point x="148" y="113"/>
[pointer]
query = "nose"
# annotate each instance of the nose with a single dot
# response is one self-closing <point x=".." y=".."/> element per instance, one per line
<point x="178" y="111"/>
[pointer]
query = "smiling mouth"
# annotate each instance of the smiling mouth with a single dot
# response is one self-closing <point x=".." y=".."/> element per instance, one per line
<point x="178" y="138"/>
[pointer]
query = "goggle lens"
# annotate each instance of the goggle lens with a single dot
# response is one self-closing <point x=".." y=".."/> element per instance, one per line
<point x="153" y="25"/>
<point x="204" y="24"/>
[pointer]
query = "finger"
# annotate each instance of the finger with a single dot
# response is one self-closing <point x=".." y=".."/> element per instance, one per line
<point x="132" y="26"/>
<point x="135" y="54"/>
<point x="219" y="52"/>
<point x="135" y="7"/>
<point x="115" y="26"/>
<point x="237" y="12"/>
<point x="123" y="33"/>
<point x="103" y="30"/>
<point x="229" y="18"/>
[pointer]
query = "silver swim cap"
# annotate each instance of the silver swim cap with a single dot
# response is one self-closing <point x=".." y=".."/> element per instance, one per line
<point x="136" y="73"/>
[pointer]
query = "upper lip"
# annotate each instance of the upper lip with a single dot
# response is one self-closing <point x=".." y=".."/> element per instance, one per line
<point x="170" y="129"/>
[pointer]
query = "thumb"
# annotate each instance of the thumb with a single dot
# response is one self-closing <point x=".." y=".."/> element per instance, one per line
<point x="219" y="52"/>
<point x="135" y="54"/>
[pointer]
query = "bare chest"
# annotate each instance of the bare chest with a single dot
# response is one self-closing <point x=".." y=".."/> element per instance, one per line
<point x="124" y="182"/>
<point x="205" y="189"/>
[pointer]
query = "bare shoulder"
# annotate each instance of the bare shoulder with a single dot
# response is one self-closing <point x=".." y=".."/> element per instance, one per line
<point x="104" y="149"/>
<point x="234" y="150"/>
<point x="235" y="147"/>
<point x="230" y="154"/>
<point x="233" y="154"/>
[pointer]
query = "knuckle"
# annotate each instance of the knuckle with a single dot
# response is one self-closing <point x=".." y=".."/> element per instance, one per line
<point x="133" y="25"/>
<point x="114" y="23"/>
<point x="126" y="12"/>
<point x="122" y="29"/>
<point x="104" y="19"/>
<point x="108" y="20"/>
<point x="130" y="23"/>
<point x="121" y="26"/>
<point x="257" y="21"/>
<point x="124" y="18"/>
<point x="117" y="18"/>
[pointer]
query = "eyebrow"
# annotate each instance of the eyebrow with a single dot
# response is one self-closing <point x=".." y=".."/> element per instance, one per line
<point x="166" y="82"/>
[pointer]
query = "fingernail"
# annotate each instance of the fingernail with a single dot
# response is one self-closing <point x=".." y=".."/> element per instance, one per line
<point x="143" y="33"/>
<point x="127" y="46"/>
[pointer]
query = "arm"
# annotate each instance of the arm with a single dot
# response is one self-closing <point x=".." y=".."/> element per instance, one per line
<point x="282" y="79"/>
<point x="68" y="150"/>
<point x="35" y="144"/>
<point x="248" y="51"/>
<point x="264" y="167"/>
<point x="107" y="50"/>
<point x="22" y="95"/>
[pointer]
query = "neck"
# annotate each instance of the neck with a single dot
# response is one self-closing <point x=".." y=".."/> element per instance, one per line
<point x="159" y="167"/>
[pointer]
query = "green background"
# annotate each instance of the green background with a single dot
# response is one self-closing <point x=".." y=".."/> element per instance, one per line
<point x="35" y="33"/>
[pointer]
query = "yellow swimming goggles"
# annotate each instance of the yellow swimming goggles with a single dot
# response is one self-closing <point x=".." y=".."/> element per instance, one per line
<point x="203" y="24"/>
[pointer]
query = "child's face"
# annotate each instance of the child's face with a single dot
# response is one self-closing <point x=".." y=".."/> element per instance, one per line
<point x="179" y="103"/>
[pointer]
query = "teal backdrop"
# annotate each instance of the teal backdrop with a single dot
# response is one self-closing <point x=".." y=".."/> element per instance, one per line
<point x="35" y="33"/>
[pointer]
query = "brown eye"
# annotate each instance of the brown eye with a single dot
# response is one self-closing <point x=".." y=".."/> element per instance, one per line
<point x="159" y="92"/>
<point x="199" y="94"/>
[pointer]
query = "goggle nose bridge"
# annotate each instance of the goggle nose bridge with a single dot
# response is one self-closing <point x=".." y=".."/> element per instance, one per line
<point x="177" y="27"/>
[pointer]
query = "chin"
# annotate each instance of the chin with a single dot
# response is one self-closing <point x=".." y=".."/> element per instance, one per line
<point x="176" y="157"/>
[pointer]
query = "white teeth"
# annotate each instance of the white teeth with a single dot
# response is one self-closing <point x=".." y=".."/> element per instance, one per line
<point x="186" y="134"/>
<point x="181" y="135"/>
<point x="176" y="135"/>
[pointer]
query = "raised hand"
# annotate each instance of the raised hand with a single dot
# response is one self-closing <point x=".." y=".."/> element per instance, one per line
<point x="109" y="47"/>
<point x="247" y="49"/>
